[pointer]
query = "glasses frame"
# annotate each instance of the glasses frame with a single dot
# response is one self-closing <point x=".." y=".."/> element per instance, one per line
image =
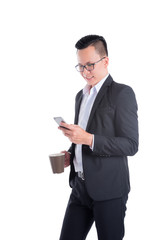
<point x="89" y="64"/>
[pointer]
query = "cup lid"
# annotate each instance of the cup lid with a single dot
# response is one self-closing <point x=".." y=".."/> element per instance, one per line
<point x="56" y="154"/>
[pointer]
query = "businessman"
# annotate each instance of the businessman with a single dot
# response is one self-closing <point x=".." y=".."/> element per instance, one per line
<point x="104" y="133"/>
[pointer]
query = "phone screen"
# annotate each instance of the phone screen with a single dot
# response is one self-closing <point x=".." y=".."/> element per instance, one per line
<point x="59" y="120"/>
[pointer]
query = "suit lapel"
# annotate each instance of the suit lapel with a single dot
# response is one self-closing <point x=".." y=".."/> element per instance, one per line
<point x="100" y="94"/>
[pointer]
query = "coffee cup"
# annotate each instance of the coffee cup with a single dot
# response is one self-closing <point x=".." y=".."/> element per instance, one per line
<point x="57" y="162"/>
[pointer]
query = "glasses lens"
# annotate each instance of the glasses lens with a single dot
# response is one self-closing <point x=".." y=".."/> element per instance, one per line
<point x="79" y="68"/>
<point x="90" y="67"/>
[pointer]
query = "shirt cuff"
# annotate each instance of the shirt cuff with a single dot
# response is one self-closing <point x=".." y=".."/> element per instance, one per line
<point x="92" y="143"/>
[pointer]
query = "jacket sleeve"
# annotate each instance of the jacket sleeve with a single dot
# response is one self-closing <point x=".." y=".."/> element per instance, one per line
<point x="125" y="141"/>
<point x="70" y="149"/>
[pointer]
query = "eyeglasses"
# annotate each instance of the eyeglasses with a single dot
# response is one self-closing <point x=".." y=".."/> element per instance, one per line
<point x="88" y="66"/>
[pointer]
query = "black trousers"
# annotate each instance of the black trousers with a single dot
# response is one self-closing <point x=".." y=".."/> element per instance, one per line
<point x="82" y="211"/>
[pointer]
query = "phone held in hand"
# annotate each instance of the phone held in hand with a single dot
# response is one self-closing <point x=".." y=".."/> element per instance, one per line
<point x="59" y="120"/>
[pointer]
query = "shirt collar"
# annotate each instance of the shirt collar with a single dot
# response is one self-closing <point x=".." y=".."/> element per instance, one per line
<point x="96" y="88"/>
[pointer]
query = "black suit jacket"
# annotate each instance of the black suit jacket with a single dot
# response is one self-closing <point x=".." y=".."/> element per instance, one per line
<point x="113" y="121"/>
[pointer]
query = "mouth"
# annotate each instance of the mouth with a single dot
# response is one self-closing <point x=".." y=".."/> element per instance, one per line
<point x="89" y="78"/>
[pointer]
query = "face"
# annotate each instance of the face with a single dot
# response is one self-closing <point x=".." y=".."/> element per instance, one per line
<point x="89" y="55"/>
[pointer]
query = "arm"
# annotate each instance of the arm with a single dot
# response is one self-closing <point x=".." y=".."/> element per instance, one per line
<point x="125" y="142"/>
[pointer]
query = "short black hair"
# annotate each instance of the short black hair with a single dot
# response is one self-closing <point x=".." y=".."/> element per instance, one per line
<point x="93" y="40"/>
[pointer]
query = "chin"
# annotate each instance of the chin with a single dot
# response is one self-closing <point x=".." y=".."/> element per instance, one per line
<point x="90" y="81"/>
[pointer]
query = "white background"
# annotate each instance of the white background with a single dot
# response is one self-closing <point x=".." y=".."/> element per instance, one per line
<point x="38" y="81"/>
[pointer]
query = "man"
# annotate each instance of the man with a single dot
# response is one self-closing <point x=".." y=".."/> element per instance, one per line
<point x="104" y="134"/>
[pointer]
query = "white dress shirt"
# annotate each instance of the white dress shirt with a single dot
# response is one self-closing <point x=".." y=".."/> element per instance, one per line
<point x="89" y="96"/>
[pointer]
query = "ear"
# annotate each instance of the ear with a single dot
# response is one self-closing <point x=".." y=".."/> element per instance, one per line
<point x="106" y="62"/>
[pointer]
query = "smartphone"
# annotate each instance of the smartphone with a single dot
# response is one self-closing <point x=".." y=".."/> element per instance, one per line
<point x="59" y="120"/>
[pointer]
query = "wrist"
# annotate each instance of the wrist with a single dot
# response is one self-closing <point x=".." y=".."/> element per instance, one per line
<point x="90" y="140"/>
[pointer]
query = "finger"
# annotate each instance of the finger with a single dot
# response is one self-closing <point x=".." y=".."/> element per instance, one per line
<point x="68" y="126"/>
<point x="65" y="131"/>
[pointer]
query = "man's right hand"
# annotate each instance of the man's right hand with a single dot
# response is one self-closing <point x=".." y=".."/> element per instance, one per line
<point x="67" y="159"/>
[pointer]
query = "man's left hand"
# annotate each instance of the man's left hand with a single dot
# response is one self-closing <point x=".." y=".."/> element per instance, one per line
<point x="76" y="134"/>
